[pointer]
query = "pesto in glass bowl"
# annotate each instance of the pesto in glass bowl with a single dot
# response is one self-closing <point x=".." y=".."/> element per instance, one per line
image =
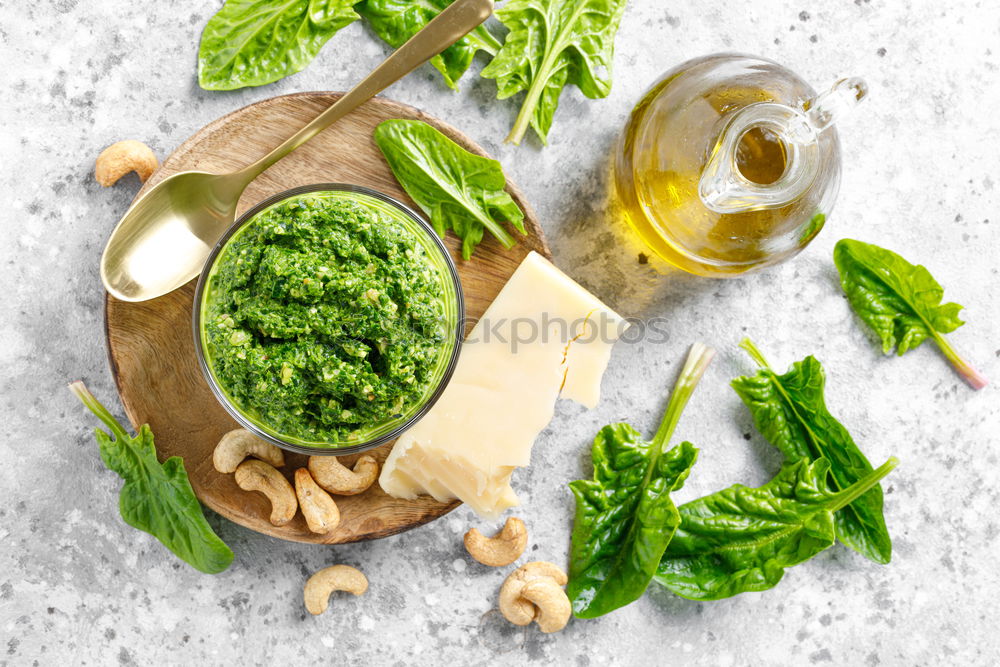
<point x="328" y="319"/>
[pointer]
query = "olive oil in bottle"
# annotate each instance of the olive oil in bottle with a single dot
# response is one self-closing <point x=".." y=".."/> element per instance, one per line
<point x="725" y="165"/>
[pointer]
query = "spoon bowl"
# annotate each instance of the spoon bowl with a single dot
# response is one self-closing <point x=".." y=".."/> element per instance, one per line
<point x="164" y="238"/>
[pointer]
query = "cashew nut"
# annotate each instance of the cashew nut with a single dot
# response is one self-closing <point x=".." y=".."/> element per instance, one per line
<point x="513" y="606"/>
<point x="503" y="548"/>
<point x="119" y="159"/>
<point x="239" y="444"/>
<point x="330" y="579"/>
<point x="553" y="604"/>
<point x="254" y="475"/>
<point x="336" y="478"/>
<point x="318" y="507"/>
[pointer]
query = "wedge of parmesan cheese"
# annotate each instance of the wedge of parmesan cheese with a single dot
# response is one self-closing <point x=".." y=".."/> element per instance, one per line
<point x="544" y="334"/>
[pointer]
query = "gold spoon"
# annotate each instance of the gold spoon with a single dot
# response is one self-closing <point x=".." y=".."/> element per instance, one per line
<point x="164" y="239"/>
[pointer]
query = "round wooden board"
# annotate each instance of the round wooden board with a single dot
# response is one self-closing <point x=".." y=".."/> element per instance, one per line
<point x="150" y="344"/>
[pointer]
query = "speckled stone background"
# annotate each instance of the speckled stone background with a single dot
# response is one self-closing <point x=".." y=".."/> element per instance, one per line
<point x="77" y="586"/>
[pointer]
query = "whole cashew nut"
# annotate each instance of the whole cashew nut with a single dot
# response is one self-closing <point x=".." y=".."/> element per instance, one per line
<point x="319" y="509"/>
<point x="553" y="604"/>
<point x="120" y="158"/>
<point x="334" y="578"/>
<point x="241" y="443"/>
<point x="336" y="478"/>
<point x="513" y="606"/>
<point x="254" y="475"/>
<point x="503" y="548"/>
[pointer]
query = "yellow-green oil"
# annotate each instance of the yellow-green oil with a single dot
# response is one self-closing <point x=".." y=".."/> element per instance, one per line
<point x="662" y="153"/>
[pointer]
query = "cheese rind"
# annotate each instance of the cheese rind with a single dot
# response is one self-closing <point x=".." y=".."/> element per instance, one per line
<point x="537" y="338"/>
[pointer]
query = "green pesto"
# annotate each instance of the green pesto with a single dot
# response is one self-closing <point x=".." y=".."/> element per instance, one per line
<point x="328" y="320"/>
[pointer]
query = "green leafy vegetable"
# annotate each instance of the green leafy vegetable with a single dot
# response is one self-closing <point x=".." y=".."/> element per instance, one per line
<point x="156" y="498"/>
<point x="790" y="411"/>
<point x="741" y="539"/>
<point x="396" y="21"/>
<point x="625" y="516"/>
<point x="552" y="43"/>
<point x="456" y="189"/>
<point x="253" y="42"/>
<point x="900" y="301"/>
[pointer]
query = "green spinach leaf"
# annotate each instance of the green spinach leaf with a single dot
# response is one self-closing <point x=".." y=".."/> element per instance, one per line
<point x="790" y="411"/>
<point x="552" y="43"/>
<point x="157" y="498"/>
<point x="624" y="515"/>
<point x="396" y="21"/>
<point x="742" y="539"/>
<point x="456" y="189"/>
<point x="900" y="301"/>
<point x="253" y="42"/>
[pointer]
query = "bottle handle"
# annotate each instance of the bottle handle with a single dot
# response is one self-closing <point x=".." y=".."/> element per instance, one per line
<point x="724" y="189"/>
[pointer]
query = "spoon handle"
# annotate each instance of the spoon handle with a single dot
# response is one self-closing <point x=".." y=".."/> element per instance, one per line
<point x="455" y="22"/>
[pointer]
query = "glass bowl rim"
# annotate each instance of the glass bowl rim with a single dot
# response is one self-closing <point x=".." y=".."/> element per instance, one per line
<point x="201" y="289"/>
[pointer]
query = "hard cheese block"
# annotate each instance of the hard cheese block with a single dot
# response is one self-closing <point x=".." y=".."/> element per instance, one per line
<point x="543" y="334"/>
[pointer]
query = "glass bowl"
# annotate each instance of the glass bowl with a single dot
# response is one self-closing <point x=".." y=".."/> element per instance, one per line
<point x="384" y="431"/>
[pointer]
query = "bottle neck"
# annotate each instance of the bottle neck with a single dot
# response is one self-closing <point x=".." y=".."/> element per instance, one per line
<point x="724" y="188"/>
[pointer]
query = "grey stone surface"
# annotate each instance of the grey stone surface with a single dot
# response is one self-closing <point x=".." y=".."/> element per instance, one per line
<point x="79" y="586"/>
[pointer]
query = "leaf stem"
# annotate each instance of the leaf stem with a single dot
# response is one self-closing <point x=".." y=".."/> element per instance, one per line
<point x="863" y="485"/>
<point x="697" y="361"/>
<point x="499" y="233"/>
<point x="530" y="103"/>
<point x="965" y="369"/>
<point x="754" y="353"/>
<point x="524" y="116"/>
<point x="80" y="391"/>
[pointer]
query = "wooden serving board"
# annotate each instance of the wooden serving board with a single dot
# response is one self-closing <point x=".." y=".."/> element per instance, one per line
<point x="151" y="346"/>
